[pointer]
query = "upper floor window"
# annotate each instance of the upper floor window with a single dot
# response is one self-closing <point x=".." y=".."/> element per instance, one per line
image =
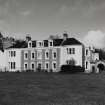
<point x="86" y="51"/>
<point x="73" y="50"/>
<point x="9" y="53"/>
<point x="39" y="54"/>
<point x="54" y="54"/>
<point x="12" y="53"/>
<point x="70" y="50"/>
<point x="32" y="55"/>
<point x="46" y="54"/>
<point x="26" y="55"/>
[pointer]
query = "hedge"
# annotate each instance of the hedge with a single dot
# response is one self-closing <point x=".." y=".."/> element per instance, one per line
<point x="71" y="69"/>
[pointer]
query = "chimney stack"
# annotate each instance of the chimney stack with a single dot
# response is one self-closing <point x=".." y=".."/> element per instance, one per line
<point x="65" y="36"/>
<point x="28" y="38"/>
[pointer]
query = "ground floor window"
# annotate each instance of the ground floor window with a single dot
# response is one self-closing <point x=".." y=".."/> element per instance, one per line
<point x="54" y="65"/>
<point x="12" y="65"/>
<point x="32" y="66"/>
<point x="26" y="66"/>
<point x="86" y="65"/>
<point x="39" y="65"/>
<point x="46" y="65"/>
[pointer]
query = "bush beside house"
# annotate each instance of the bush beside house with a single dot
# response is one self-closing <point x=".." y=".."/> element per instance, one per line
<point x="71" y="69"/>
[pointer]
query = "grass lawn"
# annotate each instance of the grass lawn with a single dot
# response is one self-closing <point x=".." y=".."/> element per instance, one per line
<point x="52" y="89"/>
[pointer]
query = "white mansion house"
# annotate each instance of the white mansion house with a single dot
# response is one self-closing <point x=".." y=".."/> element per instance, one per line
<point x="49" y="55"/>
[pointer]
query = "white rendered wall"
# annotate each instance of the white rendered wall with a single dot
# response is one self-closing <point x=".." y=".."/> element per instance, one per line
<point x="3" y="61"/>
<point x="16" y="59"/>
<point x="77" y="56"/>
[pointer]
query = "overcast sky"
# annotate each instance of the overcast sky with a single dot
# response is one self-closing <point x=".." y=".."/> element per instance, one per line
<point x="42" y="18"/>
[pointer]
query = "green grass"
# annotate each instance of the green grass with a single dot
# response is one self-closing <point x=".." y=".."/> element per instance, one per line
<point x="52" y="89"/>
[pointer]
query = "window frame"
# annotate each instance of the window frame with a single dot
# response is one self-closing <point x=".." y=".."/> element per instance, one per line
<point x="87" y="52"/>
<point x="46" y="66"/>
<point x="26" y="52"/>
<point x="54" y="62"/>
<point x="24" y="66"/>
<point x="47" y="57"/>
<point x="32" y="64"/>
<point x="29" y="44"/>
<point x="50" y="43"/>
<point x="39" y="63"/>
<point x="70" y="50"/>
<point x="32" y="52"/>
<point x="41" y="54"/>
<point x="54" y="52"/>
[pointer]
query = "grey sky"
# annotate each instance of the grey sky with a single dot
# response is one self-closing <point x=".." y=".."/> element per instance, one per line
<point x="42" y="18"/>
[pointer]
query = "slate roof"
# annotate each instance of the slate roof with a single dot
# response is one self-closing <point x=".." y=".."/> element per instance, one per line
<point x="71" y="41"/>
<point x="19" y="44"/>
<point x="68" y="41"/>
<point x="57" y="42"/>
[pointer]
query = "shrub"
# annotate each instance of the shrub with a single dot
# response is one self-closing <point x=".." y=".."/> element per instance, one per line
<point x="29" y="70"/>
<point x="71" y="69"/>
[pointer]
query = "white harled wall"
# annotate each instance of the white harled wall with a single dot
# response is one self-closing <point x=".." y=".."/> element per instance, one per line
<point x="3" y="60"/>
<point x="77" y="56"/>
<point x="16" y="59"/>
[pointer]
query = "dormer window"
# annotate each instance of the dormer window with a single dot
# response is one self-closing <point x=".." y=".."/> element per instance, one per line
<point x="29" y="44"/>
<point x="51" y="43"/>
<point x="40" y="44"/>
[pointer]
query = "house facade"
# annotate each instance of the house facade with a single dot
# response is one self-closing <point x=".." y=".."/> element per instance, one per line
<point x="49" y="55"/>
<point x="91" y="60"/>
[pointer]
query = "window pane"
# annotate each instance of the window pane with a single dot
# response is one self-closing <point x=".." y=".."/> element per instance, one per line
<point x="50" y="43"/>
<point x="47" y="55"/>
<point x="26" y="66"/>
<point x="73" y="50"/>
<point x="14" y="53"/>
<point x="47" y="65"/>
<point x="54" y="54"/>
<point x="14" y="65"/>
<point x="39" y="54"/>
<point x="11" y="65"/>
<point x="86" y="52"/>
<point x="32" y="66"/>
<point x="54" y="65"/>
<point x="11" y="53"/>
<point x="33" y="55"/>
<point x="26" y="55"/>
<point x="69" y="50"/>
<point x="29" y="44"/>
